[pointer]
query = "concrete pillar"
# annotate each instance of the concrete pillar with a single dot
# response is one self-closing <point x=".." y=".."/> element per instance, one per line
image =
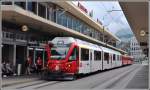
<point x="14" y="55"/>
<point x="26" y="2"/>
<point x="0" y="46"/>
<point x="46" y="12"/>
<point x="34" y="55"/>
<point x="37" y="8"/>
<point x="27" y="51"/>
<point x="43" y="58"/>
<point x="11" y="54"/>
<point x="13" y="2"/>
<point x="148" y="53"/>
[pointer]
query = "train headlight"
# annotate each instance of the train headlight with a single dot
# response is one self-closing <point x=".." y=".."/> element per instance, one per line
<point x="57" y="68"/>
<point x="69" y="65"/>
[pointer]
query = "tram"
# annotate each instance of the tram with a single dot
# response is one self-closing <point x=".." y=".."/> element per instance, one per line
<point x="68" y="57"/>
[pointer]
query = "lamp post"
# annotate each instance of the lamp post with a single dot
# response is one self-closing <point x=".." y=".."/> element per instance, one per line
<point x="103" y="33"/>
<point x="25" y="29"/>
<point x="0" y="46"/>
<point x="107" y="24"/>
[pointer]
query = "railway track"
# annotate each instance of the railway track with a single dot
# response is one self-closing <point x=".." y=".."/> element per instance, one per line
<point x="111" y="79"/>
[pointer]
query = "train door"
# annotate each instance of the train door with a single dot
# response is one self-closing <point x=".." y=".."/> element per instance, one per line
<point x="84" y="60"/>
<point x="110" y="56"/>
<point x="114" y="60"/>
<point x="109" y="61"/>
<point x="40" y="53"/>
<point x="106" y="61"/>
<point x="120" y="62"/>
<point x="91" y="60"/>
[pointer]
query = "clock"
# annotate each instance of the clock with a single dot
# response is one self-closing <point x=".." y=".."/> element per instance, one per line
<point x="142" y="33"/>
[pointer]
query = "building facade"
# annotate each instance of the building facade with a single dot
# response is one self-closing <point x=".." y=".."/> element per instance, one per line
<point x="44" y="21"/>
<point x="136" y="51"/>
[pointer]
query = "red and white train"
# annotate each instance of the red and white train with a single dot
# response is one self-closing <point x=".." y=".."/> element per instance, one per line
<point x="68" y="57"/>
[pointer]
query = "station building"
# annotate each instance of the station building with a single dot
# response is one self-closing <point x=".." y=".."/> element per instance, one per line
<point x="27" y="26"/>
<point x="137" y="17"/>
<point x="136" y="50"/>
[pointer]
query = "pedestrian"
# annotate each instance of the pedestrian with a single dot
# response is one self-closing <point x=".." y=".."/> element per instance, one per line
<point x="4" y="68"/>
<point x="28" y="65"/>
<point x="39" y="64"/>
<point x="9" y="70"/>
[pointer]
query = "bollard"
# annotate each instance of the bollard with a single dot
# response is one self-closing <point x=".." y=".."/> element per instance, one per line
<point x="19" y="69"/>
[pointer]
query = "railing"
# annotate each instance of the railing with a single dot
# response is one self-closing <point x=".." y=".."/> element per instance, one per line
<point x="22" y="38"/>
<point x="8" y="35"/>
<point x="12" y="36"/>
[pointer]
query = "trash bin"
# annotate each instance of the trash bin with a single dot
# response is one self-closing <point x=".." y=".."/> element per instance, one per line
<point x="19" y="69"/>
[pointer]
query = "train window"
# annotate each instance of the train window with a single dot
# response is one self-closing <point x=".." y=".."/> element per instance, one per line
<point x="118" y="58"/>
<point x="106" y="57"/>
<point x="73" y="55"/>
<point x="84" y="54"/>
<point x="114" y="57"/>
<point x="59" y="53"/>
<point x="97" y="55"/>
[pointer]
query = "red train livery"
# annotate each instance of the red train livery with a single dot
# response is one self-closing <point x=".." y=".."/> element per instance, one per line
<point x="68" y="57"/>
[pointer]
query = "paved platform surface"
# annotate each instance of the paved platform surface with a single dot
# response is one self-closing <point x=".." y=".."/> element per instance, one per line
<point x="133" y="77"/>
<point x="13" y="80"/>
<point x="140" y="80"/>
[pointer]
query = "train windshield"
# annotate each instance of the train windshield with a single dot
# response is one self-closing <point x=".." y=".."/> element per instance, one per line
<point x="59" y="53"/>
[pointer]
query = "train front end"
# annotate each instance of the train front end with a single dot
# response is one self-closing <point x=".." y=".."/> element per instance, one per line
<point x="62" y="59"/>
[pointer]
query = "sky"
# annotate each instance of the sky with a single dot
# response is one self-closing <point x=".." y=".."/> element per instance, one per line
<point x="113" y="20"/>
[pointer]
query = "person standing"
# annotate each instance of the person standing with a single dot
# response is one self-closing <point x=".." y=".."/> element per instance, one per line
<point x="9" y="68"/>
<point x="39" y="64"/>
<point x="28" y="65"/>
<point x="3" y="68"/>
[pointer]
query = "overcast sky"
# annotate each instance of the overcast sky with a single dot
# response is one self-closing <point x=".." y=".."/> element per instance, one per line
<point x="114" y="20"/>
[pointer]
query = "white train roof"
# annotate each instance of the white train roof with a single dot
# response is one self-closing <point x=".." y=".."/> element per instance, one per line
<point x="110" y="51"/>
<point x="83" y="44"/>
<point x="66" y="40"/>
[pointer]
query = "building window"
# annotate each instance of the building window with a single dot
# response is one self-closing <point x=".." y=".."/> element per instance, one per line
<point x="77" y="24"/>
<point x="7" y="3"/>
<point x="74" y="23"/>
<point x="64" y="20"/>
<point x="59" y="17"/>
<point x="84" y="30"/>
<point x="21" y="4"/>
<point x="69" y="22"/>
<point x="78" y="28"/>
<point x="50" y="11"/>
<point x="88" y="30"/>
<point x="93" y="33"/>
<point x="84" y="54"/>
<point x="32" y="6"/>
<point x="41" y="10"/>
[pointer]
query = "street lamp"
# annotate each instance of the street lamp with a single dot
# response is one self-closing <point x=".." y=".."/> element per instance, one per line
<point x="103" y="33"/>
<point x="0" y="46"/>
